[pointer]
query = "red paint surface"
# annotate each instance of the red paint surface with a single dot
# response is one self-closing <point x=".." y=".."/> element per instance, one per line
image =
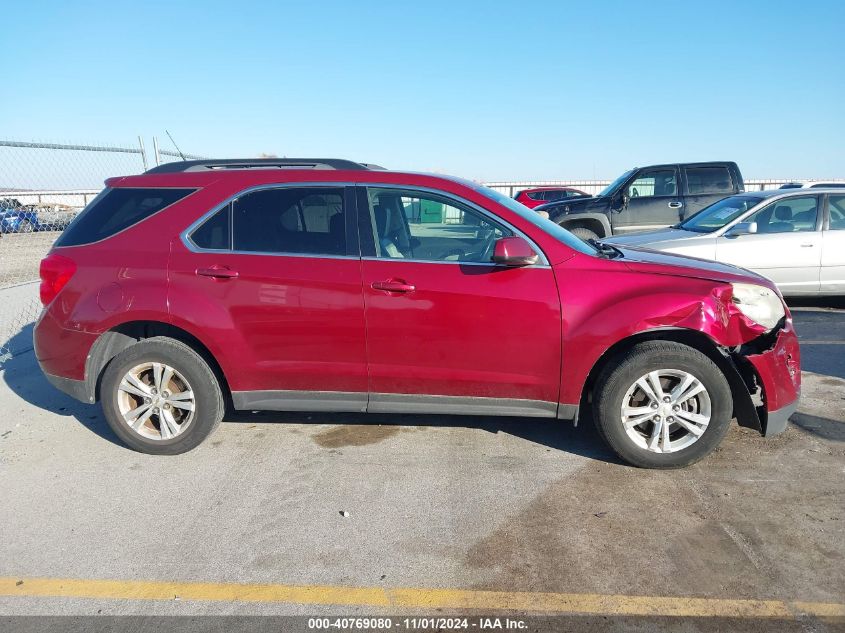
<point x="318" y="324"/>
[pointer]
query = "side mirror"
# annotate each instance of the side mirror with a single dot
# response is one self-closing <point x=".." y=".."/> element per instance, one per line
<point x="620" y="201"/>
<point x="513" y="251"/>
<point x="743" y="228"/>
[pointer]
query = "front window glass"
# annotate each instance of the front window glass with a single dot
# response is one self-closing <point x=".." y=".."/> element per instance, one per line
<point x="719" y="214"/>
<point x="612" y="187"/>
<point x="552" y="228"/>
<point x="423" y="226"/>
<point x="306" y="220"/>
<point x="787" y="216"/>
<point x="654" y="183"/>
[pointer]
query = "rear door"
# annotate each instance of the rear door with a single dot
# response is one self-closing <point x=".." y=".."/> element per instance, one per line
<point x="654" y="201"/>
<point x="704" y="185"/>
<point x="447" y="330"/>
<point x="833" y="247"/>
<point x="274" y="278"/>
<point x="787" y="247"/>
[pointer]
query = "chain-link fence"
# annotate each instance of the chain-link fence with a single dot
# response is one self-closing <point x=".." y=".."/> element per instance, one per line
<point x="42" y="188"/>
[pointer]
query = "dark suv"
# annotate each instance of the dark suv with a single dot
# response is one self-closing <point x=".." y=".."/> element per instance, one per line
<point x="327" y="285"/>
<point x="646" y="198"/>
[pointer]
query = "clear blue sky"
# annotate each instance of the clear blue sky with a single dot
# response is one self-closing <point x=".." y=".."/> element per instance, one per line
<point x="487" y="90"/>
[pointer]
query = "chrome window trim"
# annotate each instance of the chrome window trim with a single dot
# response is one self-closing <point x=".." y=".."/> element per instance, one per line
<point x="185" y="236"/>
<point x="543" y="263"/>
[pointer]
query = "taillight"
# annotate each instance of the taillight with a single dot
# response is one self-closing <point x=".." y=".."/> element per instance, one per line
<point x="55" y="272"/>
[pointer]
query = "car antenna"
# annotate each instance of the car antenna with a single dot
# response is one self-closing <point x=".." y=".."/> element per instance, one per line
<point x="176" y="146"/>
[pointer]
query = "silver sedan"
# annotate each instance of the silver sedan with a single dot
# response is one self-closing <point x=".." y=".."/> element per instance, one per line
<point x="795" y="237"/>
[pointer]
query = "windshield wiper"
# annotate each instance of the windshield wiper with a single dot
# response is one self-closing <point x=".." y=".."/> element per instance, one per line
<point x="605" y="249"/>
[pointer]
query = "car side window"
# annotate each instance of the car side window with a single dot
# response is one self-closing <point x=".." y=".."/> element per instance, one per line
<point x="701" y="180"/>
<point x="426" y="227"/>
<point x="836" y="204"/>
<point x="789" y="215"/>
<point x="214" y="234"/>
<point x="295" y="220"/>
<point x="536" y="195"/>
<point x="654" y="183"/>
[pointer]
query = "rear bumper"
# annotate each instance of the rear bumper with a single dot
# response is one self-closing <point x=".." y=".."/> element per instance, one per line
<point x="77" y="389"/>
<point x="62" y="355"/>
<point x="779" y="371"/>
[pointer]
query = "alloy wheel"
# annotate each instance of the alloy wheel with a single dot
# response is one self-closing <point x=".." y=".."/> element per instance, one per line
<point x="666" y="410"/>
<point x="156" y="401"/>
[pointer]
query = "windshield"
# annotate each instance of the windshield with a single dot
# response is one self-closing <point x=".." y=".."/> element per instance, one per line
<point x="719" y="214"/>
<point x="552" y="228"/>
<point x="612" y="187"/>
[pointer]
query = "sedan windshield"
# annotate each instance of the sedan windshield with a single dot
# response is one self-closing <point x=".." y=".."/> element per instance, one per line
<point x="719" y="214"/>
<point x="612" y="187"/>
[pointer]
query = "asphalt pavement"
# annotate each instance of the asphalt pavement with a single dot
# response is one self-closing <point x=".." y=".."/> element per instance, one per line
<point x="388" y="514"/>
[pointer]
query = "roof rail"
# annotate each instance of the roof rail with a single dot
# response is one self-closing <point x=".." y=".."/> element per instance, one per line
<point x="258" y="163"/>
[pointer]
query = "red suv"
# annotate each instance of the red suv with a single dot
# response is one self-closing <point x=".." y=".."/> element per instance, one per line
<point x="543" y="195"/>
<point x="328" y="285"/>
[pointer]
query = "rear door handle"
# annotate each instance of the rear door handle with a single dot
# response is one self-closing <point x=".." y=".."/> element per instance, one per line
<point x="393" y="285"/>
<point x="676" y="205"/>
<point x="217" y="272"/>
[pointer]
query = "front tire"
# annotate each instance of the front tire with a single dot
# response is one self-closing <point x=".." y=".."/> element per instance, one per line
<point x="662" y="405"/>
<point x="584" y="234"/>
<point x="160" y="397"/>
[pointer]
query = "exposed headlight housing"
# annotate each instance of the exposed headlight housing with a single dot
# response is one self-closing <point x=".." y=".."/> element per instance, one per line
<point x="760" y="304"/>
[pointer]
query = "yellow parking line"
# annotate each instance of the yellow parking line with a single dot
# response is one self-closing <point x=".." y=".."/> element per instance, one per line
<point x="416" y="598"/>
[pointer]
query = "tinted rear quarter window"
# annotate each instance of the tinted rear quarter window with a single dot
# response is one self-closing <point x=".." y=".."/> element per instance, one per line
<point x="116" y="210"/>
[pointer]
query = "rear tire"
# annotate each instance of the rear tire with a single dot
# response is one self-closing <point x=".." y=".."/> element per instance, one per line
<point x="629" y="416"/>
<point x="146" y="391"/>
<point x="584" y="234"/>
<point x="25" y="227"/>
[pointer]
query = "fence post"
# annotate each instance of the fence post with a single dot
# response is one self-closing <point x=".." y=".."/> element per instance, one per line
<point x="143" y="152"/>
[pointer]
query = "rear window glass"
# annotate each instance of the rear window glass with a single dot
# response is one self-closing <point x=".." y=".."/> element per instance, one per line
<point x="115" y="210"/>
<point x="214" y="233"/>
<point x="708" y="180"/>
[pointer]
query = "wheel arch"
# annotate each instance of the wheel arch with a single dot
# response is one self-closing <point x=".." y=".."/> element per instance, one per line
<point x="740" y="379"/>
<point x="595" y="222"/>
<point x="122" y="336"/>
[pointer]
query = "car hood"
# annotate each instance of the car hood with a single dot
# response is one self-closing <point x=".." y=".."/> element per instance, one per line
<point x="652" y="237"/>
<point x="662" y="263"/>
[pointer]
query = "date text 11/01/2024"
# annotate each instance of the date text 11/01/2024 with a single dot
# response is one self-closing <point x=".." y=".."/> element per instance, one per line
<point x="423" y="623"/>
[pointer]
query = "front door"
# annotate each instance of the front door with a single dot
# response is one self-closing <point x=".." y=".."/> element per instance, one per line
<point x="278" y="274"/>
<point x="448" y="331"/>
<point x="654" y="201"/>
<point x="787" y="247"/>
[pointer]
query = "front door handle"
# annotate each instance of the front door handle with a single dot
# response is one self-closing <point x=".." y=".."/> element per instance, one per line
<point x="217" y="272"/>
<point x="807" y="245"/>
<point x="393" y="285"/>
<point x="676" y="205"/>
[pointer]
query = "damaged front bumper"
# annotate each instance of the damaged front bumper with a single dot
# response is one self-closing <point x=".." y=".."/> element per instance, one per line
<point x="770" y="369"/>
